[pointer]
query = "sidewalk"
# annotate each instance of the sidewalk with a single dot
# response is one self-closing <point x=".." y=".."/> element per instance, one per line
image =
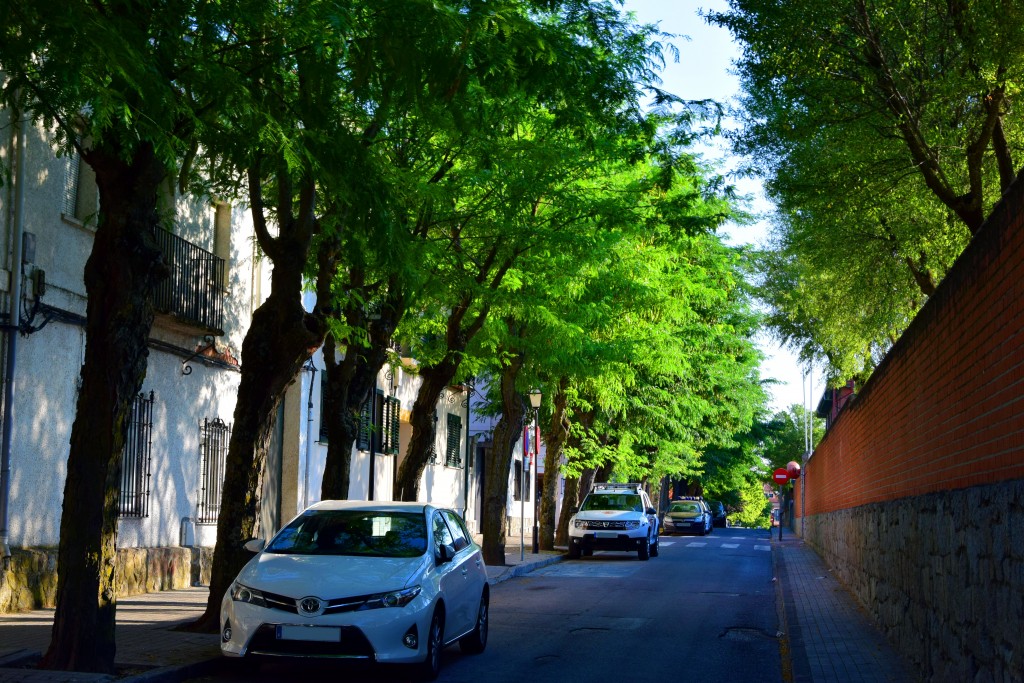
<point x="828" y="636"/>
<point x="148" y="649"/>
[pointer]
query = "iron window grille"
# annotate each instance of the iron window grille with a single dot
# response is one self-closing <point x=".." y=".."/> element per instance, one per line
<point x="323" y="407"/>
<point x="453" y="451"/>
<point x="136" y="459"/>
<point x="215" y="437"/>
<point x="432" y="456"/>
<point x="193" y="292"/>
<point x="517" y="480"/>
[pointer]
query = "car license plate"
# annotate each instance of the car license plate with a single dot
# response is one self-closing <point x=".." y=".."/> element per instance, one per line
<point x="322" y="634"/>
<point x="606" y="534"/>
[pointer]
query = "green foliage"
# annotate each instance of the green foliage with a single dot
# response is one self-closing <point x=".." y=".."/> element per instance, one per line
<point x="885" y="133"/>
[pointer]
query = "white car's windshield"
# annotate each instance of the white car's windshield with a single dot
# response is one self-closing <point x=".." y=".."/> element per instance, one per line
<point x="613" y="501"/>
<point x="353" y="532"/>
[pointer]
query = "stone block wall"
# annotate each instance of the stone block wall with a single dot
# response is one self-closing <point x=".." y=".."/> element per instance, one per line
<point x="31" y="581"/>
<point x="942" y="575"/>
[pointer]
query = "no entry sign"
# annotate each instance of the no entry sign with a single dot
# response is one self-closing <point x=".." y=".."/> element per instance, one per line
<point x="781" y="476"/>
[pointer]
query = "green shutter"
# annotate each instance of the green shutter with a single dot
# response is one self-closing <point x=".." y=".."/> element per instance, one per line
<point x="453" y="454"/>
<point x="363" y="442"/>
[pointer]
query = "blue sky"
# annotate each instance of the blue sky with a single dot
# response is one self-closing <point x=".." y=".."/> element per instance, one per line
<point x="702" y="72"/>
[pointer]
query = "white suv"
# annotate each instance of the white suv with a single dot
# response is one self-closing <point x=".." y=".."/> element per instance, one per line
<point x="615" y="517"/>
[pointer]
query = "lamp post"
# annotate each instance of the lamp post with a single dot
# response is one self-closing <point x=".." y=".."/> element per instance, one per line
<point x="535" y="397"/>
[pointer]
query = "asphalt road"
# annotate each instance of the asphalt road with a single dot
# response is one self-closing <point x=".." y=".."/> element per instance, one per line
<point x="703" y="610"/>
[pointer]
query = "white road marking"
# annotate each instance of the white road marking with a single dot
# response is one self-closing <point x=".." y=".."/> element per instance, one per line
<point x="696" y="544"/>
<point x="762" y="547"/>
<point x="730" y="545"/>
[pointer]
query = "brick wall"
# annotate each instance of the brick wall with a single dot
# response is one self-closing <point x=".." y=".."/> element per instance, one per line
<point x="945" y="409"/>
<point x="915" y="497"/>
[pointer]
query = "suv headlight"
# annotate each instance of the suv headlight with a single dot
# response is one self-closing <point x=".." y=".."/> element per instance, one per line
<point x="579" y="523"/>
<point x="633" y="524"/>
<point x="240" y="593"/>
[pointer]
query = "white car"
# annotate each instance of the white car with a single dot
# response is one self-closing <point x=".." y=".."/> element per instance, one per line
<point x="383" y="582"/>
<point x="615" y="517"/>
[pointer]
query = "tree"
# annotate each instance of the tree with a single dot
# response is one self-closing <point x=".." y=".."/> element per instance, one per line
<point x="121" y="84"/>
<point x="587" y="87"/>
<point x="886" y="133"/>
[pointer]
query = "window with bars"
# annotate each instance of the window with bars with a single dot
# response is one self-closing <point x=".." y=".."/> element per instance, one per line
<point x="323" y="407"/>
<point x="136" y="458"/>
<point x="213" y="444"/>
<point x="432" y="457"/>
<point x="453" y="450"/>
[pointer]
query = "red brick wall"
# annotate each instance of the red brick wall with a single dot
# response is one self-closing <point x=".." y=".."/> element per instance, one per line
<point x="945" y="409"/>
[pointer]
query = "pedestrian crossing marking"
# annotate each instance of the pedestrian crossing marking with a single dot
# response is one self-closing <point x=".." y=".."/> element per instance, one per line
<point x="696" y="544"/>
<point x="730" y="545"/>
<point x="762" y="547"/>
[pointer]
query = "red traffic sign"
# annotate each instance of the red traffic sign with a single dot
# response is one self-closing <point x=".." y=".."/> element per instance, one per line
<point x="781" y="476"/>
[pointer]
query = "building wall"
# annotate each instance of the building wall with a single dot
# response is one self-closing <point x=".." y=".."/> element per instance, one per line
<point x="914" y="496"/>
<point x="48" y="361"/>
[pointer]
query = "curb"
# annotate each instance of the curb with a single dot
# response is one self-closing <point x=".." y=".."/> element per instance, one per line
<point x="523" y="569"/>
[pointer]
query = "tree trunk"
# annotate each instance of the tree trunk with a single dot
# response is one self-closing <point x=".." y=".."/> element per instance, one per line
<point x="121" y="274"/>
<point x="578" y="487"/>
<point x="569" y="503"/>
<point x="350" y="383"/>
<point x="424" y="424"/>
<point x="508" y="430"/>
<point x="554" y="439"/>
<point x="281" y="337"/>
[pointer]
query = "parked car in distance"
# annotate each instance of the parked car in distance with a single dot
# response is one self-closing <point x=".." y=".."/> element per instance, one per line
<point x="718" y="515"/>
<point x="615" y="517"/>
<point x="375" y="581"/>
<point x="687" y="515"/>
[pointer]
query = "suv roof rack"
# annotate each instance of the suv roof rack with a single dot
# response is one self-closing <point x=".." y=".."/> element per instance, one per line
<point x="633" y="487"/>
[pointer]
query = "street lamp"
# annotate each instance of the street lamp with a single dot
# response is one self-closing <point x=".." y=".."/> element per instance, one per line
<point x="535" y="397"/>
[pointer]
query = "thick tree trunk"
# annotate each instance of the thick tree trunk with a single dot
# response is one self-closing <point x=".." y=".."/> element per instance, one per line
<point x="554" y="439"/>
<point x="569" y="503"/>
<point x="578" y="487"/>
<point x="350" y="383"/>
<point x="423" y="422"/>
<point x="120" y="276"/>
<point x="281" y="337"/>
<point x="508" y="430"/>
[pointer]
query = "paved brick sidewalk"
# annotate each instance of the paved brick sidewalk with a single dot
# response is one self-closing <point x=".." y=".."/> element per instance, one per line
<point x="831" y="640"/>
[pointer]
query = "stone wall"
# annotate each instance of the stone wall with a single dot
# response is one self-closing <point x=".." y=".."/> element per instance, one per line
<point x="31" y="581"/>
<point x="942" y="574"/>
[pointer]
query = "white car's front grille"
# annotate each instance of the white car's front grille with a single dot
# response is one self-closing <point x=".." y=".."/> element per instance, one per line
<point x="611" y="524"/>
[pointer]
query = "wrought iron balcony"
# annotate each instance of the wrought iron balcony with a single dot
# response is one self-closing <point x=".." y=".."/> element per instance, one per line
<point x="193" y="295"/>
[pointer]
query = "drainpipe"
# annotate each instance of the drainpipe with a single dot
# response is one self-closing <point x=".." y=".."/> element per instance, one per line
<point x="12" y="339"/>
<point x="309" y="432"/>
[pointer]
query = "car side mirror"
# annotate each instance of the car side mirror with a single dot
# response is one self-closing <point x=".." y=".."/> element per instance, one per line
<point x="652" y="511"/>
<point x="254" y="545"/>
<point x="445" y="553"/>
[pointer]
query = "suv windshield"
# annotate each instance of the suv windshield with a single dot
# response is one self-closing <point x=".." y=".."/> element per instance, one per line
<point x="613" y="501"/>
<point x="353" y="532"/>
<point x="688" y="508"/>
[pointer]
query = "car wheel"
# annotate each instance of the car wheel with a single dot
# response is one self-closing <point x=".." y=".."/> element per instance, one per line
<point x="644" y="553"/>
<point x="431" y="666"/>
<point x="475" y="641"/>
<point x="588" y="552"/>
<point x="574" y="551"/>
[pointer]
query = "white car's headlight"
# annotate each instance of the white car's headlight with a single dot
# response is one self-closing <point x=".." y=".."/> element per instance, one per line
<point x="579" y="523"/>
<point x="393" y="599"/>
<point x="633" y="524"/>
<point x="240" y="593"/>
